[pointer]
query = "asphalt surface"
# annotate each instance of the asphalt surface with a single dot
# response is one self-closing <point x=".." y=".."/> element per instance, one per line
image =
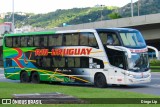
<point x="147" y="88"/>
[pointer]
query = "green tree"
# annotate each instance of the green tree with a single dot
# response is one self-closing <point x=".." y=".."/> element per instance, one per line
<point x="114" y="15"/>
<point x="1" y="20"/>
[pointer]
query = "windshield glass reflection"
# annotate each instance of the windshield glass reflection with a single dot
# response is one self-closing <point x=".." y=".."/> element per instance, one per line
<point x="132" y="39"/>
<point x="138" y="62"/>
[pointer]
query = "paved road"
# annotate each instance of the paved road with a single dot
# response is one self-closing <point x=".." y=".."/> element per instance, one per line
<point x="148" y="88"/>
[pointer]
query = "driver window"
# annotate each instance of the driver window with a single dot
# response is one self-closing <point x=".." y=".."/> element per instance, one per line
<point x="109" y="38"/>
<point x="112" y="39"/>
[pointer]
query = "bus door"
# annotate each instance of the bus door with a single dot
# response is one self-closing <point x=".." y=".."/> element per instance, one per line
<point x="116" y="56"/>
<point x="119" y="63"/>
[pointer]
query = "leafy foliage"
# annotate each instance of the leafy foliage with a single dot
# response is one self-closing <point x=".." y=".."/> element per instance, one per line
<point x="114" y="15"/>
<point x="154" y="62"/>
<point x="69" y="16"/>
<point x="146" y="7"/>
<point x="1" y="20"/>
<point x="84" y="15"/>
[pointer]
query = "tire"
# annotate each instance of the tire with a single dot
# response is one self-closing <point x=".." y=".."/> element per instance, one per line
<point x="123" y="85"/>
<point x="24" y="78"/>
<point x="35" y="78"/>
<point x="100" y="81"/>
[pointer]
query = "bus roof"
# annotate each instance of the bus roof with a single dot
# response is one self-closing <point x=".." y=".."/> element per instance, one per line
<point x="31" y="33"/>
<point x="70" y="31"/>
<point x="116" y="29"/>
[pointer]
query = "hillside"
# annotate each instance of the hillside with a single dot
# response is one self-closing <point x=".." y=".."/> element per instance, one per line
<point x="69" y="16"/>
<point x="84" y="15"/>
<point x="146" y="7"/>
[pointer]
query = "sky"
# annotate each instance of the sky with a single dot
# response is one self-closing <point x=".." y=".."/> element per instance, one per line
<point x="45" y="6"/>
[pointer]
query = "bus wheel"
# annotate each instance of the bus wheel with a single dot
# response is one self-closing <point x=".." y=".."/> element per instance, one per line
<point x="100" y="80"/>
<point x="35" y="78"/>
<point x="24" y="78"/>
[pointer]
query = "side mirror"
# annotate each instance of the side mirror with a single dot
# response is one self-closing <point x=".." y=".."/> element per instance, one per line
<point x="155" y="49"/>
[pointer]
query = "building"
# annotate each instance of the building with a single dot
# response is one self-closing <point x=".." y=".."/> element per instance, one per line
<point x="5" y="28"/>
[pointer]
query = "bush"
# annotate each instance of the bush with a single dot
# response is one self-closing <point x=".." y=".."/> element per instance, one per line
<point x="154" y="62"/>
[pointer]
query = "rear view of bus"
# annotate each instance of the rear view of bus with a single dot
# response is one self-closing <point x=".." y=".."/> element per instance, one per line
<point x="127" y="54"/>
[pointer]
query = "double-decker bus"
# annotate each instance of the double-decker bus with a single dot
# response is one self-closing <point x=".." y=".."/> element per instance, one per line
<point x="95" y="56"/>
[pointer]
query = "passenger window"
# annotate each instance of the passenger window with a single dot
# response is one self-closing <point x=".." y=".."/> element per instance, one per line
<point x="88" y="39"/>
<point x="55" y="40"/>
<point x="43" y="41"/>
<point x="84" y="39"/>
<point x="46" y="62"/>
<point x="92" y="40"/>
<point x="58" y="62"/>
<point x="73" y="62"/>
<point x="103" y="37"/>
<point x="39" y="61"/>
<point x="109" y="38"/>
<point x="77" y="62"/>
<point x="36" y="41"/>
<point x="23" y="41"/>
<point x="30" y="41"/>
<point x="70" y="62"/>
<point x="72" y="39"/>
<point x="9" y="41"/>
<point x="16" y="41"/>
<point x="116" y="41"/>
<point x="85" y="62"/>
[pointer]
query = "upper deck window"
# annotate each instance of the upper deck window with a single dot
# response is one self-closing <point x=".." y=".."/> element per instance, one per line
<point x="132" y="39"/>
<point x="109" y="38"/>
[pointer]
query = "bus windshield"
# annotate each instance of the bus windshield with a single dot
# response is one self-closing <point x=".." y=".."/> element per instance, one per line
<point x="132" y="39"/>
<point x="138" y="62"/>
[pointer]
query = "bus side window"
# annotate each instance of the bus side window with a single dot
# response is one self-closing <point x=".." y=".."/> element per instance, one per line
<point x="103" y="37"/>
<point x="8" y="41"/>
<point x="70" y="62"/>
<point x="72" y="39"/>
<point x="24" y="41"/>
<point x="58" y="62"/>
<point x="39" y="61"/>
<point x="16" y="41"/>
<point x="84" y="62"/>
<point x="83" y="39"/>
<point x="46" y="63"/>
<point x="30" y="41"/>
<point x="36" y="41"/>
<point x="116" y="41"/>
<point x="73" y="62"/>
<point x="92" y="40"/>
<point x="77" y="62"/>
<point x="43" y="41"/>
<point x="112" y="39"/>
<point x="55" y="40"/>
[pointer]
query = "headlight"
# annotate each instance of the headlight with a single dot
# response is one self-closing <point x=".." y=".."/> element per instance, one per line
<point x="130" y="75"/>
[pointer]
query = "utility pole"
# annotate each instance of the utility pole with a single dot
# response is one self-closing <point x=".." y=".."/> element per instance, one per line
<point x="13" y="16"/>
<point x="101" y="11"/>
<point x="138" y="7"/>
<point x="131" y="8"/>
